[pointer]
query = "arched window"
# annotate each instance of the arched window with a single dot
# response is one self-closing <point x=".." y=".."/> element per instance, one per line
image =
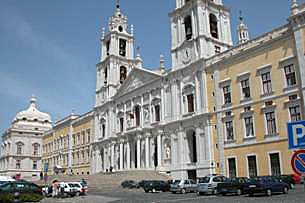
<point x="188" y="27"/>
<point x="213" y="26"/>
<point x="123" y="74"/>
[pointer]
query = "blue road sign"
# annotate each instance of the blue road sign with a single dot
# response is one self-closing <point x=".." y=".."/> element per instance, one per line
<point x="298" y="162"/>
<point x="46" y="167"/>
<point x="296" y="135"/>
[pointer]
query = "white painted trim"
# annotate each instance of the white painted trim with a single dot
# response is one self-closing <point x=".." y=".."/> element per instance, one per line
<point x="257" y="163"/>
<point x="269" y="161"/>
<point x="227" y="165"/>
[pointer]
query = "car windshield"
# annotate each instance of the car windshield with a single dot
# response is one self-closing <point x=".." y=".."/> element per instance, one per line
<point x="176" y="182"/>
<point x="76" y="185"/>
<point x="71" y="185"/>
<point x="204" y="180"/>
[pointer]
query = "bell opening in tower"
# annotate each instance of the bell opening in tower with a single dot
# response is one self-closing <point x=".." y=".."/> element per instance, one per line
<point x="213" y="26"/>
<point x="188" y="27"/>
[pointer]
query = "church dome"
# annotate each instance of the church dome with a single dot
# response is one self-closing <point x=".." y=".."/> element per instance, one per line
<point x="32" y="114"/>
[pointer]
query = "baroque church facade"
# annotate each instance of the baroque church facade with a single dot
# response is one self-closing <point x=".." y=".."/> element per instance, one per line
<point x="159" y="119"/>
<point x="21" y="147"/>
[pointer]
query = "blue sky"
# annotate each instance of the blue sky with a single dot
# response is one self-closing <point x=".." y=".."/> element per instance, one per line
<point x="49" y="48"/>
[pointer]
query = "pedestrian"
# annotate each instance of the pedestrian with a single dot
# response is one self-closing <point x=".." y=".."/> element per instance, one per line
<point x="83" y="182"/>
<point x="41" y="175"/>
<point x="55" y="187"/>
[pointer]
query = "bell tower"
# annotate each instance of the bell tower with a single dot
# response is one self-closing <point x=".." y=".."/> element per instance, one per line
<point x="117" y="56"/>
<point x="200" y="29"/>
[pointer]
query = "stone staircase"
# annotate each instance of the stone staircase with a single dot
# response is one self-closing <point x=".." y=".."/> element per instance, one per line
<point x="106" y="182"/>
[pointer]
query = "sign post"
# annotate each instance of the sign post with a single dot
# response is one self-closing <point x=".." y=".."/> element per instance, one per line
<point x="298" y="163"/>
<point x="296" y="140"/>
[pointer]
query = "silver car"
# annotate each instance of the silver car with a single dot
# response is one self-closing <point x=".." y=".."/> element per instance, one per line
<point x="183" y="186"/>
<point x="208" y="184"/>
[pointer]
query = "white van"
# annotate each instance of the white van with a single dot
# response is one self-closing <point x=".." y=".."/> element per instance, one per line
<point x="4" y="179"/>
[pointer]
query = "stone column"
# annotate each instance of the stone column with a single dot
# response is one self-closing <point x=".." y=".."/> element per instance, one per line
<point x="138" y="152"/>
<point x="121" y="156"/>
<point x="128" y="154"/>
<point x="181" y="146"/>
<point x="147" y="151"/>
<point x="112" y="155"/>
<point x="200" y="144"/>
<point x="159" y="148"/>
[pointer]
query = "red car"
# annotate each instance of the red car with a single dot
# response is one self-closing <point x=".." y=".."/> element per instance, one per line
<point x="296" y="178"/>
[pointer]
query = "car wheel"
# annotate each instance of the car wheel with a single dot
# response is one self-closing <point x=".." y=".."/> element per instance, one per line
<point x="214" y="192"/>
<point x="285" y="190"/>
<point x="223" y="194"/>
<point x="183" y="191"/>
<point x="251" y="194"/>
<point x="153" y="190"/>
<point x="77" y="194"/>
<point x="268" y="192"/>
<point x="146" y="191"/>
<point x="238" y="192"/>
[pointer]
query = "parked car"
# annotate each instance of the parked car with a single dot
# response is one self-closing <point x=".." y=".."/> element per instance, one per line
<point x="20" y="187"/>
<point x="208" y="184"/>
<point x="287" y="179"/>
<point x="67" y="189"/>
<point x="142" y="182"/>
<point x="156" y="185"/>
<point x="183" y="186"/>
<point x="130" y="184"/>
<point x="81" y="189"/>
<point x="267" y="185"/>
<point x="232" y="186"/>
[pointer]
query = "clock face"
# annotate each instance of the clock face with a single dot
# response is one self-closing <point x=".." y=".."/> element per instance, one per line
<point x="186" y="55"/>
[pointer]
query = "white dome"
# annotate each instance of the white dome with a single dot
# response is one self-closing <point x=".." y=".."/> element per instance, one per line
<point x="32" y="114"/>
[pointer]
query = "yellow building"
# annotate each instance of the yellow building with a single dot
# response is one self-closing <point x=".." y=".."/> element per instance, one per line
<point x="66" y="147"/>
<point x="253" y="90"/>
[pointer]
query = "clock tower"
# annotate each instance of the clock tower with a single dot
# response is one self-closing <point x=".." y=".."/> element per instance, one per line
<point x="117" y="57"/>
<point x="200" y="29"/>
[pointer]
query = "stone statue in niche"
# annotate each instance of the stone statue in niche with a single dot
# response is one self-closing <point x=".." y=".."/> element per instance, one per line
<point x="146" y="114"/>
<point x="167" y="151"/>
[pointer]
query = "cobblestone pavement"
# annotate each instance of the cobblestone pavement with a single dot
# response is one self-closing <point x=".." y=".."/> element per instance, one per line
<point x="139" y="196"/>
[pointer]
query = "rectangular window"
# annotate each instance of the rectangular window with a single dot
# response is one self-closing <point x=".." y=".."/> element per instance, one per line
<point x="190" y="103"/>
<point x="18" y="164"/>
<point x="35" y="150"/>
<point x="103" y="130"/>
<point x="271" y="125"/>
<point x="19" y="149"/>
<point x="122" y="48"/>
<point x="275" y="164"/>
<point x="245" y="88"/>
<point x="229" y="131"/>
<point x="121" y="124"/>
<point x="88" y="135"/>
<point x="34" y="164"/>
<point x="227" y="94"/>
<point x="232" y="167"/>
<point x="267" y="85"/>
<point x="249" y="127"/>
<point x="290" y="75"/>
<point x="157" y="113"/>
<point x="295" y="114"/>
<point x="252" y="167"/>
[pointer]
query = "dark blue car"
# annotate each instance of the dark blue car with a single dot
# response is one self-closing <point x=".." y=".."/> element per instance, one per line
<point x="266" y="185"/>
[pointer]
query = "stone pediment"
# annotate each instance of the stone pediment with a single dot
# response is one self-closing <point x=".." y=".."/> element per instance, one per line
<point x="137" y="78"/>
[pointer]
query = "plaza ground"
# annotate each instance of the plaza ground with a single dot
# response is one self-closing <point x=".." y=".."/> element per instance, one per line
<point x="121" y="195"/>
